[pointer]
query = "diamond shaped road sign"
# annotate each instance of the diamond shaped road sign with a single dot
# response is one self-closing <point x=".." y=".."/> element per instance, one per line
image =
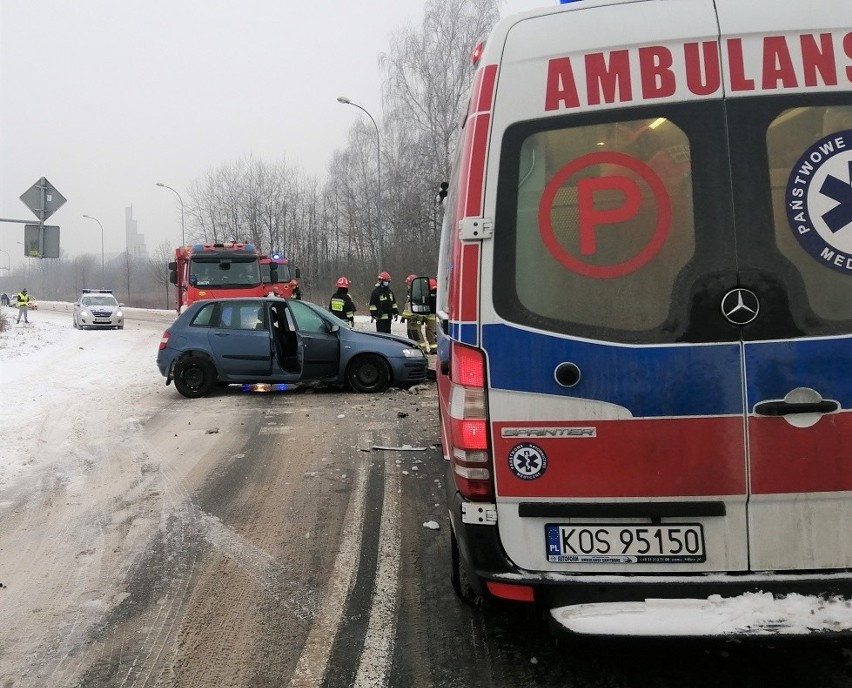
<point x="42" y="199"/>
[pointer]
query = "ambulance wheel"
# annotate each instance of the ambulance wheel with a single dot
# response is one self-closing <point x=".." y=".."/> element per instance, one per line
<point x="194" y="376"/>
<point x="368" y="373"/>
<point x="460" y="579"/>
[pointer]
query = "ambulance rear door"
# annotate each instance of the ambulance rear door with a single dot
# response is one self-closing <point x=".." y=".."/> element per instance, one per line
<point x="789" y="113"/>
<point x="615" y="383"/>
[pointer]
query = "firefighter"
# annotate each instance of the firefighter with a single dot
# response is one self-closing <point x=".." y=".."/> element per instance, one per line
<point x="341" y="303"/>
<point x="413" y="321"/>
<point x="23" y="305"/>
<point x="432" y="318"/>
<point x="297" y="290"/>
<point x="383" y="304"/>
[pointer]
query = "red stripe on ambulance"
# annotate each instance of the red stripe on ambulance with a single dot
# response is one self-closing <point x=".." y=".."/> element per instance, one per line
<point x="624" y="459"/>
<point x="786" y="459"/>
<point x="463" y="301"/>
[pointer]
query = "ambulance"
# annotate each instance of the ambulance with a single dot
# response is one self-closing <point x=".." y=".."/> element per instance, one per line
<point x="645" y="305"/>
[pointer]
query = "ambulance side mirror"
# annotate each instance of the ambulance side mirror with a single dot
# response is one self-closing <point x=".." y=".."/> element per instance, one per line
<point x="442" y="192"/>
<point x="420" y="295"/>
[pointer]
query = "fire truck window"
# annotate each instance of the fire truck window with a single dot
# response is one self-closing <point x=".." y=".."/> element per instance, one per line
<point x="788" y="137"/>
<point x="204" y="316"/>
<point x="619" y="222"/>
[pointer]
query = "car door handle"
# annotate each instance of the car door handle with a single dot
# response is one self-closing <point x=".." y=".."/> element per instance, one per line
<point x="785" y="408"/>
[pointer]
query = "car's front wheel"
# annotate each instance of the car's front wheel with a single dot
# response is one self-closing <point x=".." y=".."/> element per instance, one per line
<point x="194" y="376"/>
<point x="368" y="373"/>
<point x="74" y="320"/>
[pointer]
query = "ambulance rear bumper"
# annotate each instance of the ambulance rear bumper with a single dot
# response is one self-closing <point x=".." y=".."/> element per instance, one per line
<point x="485" y="560"/>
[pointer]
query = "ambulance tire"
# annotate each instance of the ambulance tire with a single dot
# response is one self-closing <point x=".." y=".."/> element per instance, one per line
<point x="194" y="376"/>
<point x="460" y="579"/>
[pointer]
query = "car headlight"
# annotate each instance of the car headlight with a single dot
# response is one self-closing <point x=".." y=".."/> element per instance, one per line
<point x="412" y="353"/>
<point x="119" y="314"/>
<point x="84" y="313"/>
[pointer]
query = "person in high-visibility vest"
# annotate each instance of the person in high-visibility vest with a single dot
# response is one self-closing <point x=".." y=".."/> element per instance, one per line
<point x="341" y="303"/>
<point x="23" y="305"/>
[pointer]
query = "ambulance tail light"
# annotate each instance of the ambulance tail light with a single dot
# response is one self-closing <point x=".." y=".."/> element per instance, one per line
<point x="470" y="453"/>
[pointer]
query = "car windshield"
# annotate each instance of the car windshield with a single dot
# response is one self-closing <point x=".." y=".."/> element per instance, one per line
<point x="98" y="301"/>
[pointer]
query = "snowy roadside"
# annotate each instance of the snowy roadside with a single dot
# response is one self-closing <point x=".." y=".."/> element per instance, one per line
<point x="48" y="370"/>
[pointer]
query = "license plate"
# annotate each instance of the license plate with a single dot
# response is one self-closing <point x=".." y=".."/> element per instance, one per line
<point x="606" y="543"/>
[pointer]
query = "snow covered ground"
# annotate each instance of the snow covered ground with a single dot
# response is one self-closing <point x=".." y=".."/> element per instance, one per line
<point x="47" y="366"/>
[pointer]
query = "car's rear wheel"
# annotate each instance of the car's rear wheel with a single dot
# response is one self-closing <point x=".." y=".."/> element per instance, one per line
<point x="368" y="373"/>
<point x="194" y="376"/>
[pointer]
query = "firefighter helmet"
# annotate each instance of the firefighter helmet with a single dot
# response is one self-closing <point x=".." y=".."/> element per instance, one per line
<point x="433" y="283"/>
<point x="384" y="277"/>
<point x="342" y="283"/>
<point x="410" y="279"/>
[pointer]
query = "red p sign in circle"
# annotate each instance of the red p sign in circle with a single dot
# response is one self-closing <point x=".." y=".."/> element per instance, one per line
<point x="591" y="218"/>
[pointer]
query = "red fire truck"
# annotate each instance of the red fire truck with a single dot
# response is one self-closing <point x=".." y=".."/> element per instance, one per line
<point x="207" y="271"/>
<point x="278" y="277"/>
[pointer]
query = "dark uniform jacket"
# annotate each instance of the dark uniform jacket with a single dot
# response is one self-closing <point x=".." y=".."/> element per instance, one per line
<point x="383" y="303"/>
<point x="342" y="305"/>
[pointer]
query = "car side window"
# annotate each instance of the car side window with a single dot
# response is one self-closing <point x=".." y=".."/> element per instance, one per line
<point x="307" y="320"/>
<point x="251" y="316"/>
<point x="204" y="316"/>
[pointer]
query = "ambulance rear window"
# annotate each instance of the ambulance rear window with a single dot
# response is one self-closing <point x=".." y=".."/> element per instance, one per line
<point x="602" y="221"/>
<point x="824" y="270"/>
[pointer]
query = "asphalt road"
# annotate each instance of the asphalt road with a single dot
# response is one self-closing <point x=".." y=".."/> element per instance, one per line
<point x="301" y="539"/>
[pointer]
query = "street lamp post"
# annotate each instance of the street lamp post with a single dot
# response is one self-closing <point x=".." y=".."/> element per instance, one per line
<point x="182" y="228"/>
<point x="346" y="101"/>
<point x="103" y="271"/>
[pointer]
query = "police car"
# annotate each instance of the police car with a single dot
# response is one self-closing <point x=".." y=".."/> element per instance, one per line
<point x="98" y="308"/>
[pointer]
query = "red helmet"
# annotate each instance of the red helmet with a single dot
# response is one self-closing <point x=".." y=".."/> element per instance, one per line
<point x="410" y="279"/>
<point x="433" y="283"/>
<point x="342" y="283"/>
<point x="384" y="276"/>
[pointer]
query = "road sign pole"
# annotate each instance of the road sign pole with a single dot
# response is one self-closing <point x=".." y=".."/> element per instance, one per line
<point x="43" y="189"/>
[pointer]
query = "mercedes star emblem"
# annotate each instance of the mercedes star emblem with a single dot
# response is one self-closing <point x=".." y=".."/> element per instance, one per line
<point x="740" y="306"/>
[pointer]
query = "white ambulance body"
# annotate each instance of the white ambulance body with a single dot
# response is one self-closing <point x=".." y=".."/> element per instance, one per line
<point x="645" y="291"/>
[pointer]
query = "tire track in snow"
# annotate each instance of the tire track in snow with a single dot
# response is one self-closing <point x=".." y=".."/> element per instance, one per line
<point x="313" y="662"/>
<point x="377" y="654"/>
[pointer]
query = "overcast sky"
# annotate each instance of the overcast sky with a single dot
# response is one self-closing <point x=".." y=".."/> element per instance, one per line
<point x="105" y="98"/>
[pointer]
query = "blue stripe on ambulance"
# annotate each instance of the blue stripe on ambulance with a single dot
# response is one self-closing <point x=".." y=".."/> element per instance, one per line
<point x="697" y="388"/>
<point x="775" y="368"/>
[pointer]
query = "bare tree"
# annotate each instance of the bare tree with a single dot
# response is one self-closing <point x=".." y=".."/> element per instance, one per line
<point x="158" y="269"/>
<point x="429" y="73"/>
